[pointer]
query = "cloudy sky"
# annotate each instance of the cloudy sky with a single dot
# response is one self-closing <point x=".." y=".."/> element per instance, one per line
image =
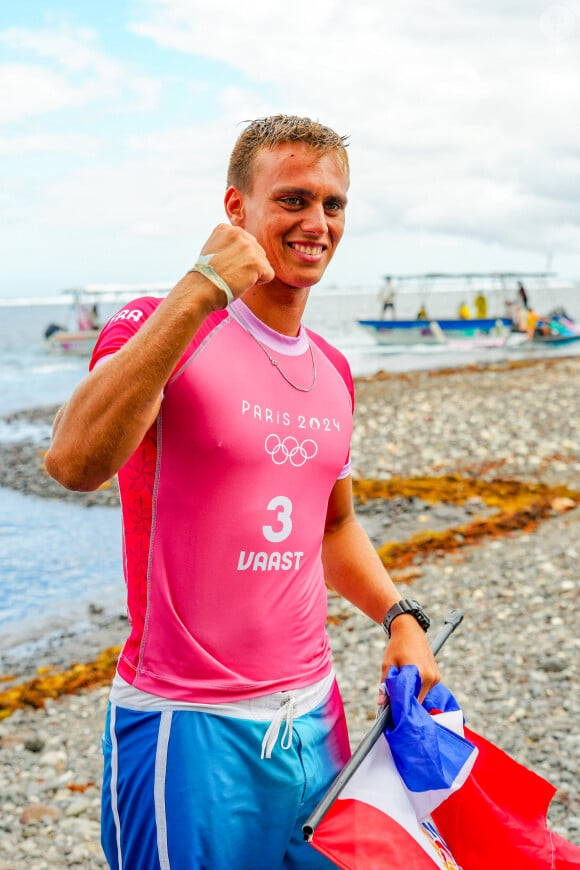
<point x="117" y="118"/>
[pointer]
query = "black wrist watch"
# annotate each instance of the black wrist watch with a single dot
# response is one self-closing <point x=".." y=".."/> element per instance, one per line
<point x="406" y="605"/>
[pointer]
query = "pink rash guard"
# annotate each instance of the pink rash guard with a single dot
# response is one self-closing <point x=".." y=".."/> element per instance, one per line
<point x="223" y="506"/>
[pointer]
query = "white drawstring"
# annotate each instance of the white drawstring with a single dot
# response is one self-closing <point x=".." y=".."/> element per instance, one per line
<point x="284" y="713"/>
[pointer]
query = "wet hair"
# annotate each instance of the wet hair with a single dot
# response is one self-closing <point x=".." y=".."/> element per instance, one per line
<point x="277" y="130"/>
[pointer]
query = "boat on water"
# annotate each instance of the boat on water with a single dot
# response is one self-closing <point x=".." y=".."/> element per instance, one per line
<point x="79" y="335"/>
<point x="479" y="332"/>
<point x="511" y="325"/>
<point x="80" y="342"/>
<point x="555" y="328"/>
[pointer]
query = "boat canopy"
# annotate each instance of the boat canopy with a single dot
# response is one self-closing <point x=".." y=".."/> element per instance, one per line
<point x="439" y="282"/>
<point x="113" y="292"/>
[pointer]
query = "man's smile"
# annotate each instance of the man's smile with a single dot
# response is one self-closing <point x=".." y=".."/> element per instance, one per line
<point x="308" y="249"/>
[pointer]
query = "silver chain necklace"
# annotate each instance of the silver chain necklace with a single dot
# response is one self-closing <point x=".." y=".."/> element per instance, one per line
<point x="275" y="362"/>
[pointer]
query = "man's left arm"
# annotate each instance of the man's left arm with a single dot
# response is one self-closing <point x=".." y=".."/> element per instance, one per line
<point x="352" y="567"/>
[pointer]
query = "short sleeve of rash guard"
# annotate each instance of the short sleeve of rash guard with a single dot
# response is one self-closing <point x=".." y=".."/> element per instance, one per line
<point x="122" y="326"/>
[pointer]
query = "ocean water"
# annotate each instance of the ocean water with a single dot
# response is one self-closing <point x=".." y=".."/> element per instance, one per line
<point x="29" y="376"/>
<point x="56" y="559"/>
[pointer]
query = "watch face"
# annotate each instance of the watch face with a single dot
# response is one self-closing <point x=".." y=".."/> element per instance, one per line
<point x="406" y="605"/>
<point x="420" y="616"/>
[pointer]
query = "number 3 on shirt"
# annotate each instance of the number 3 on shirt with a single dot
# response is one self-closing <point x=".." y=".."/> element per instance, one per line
<point x="283" y="506"/>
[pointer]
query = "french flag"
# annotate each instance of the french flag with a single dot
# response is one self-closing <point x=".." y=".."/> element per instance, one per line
<point x="431" y="795"/>
<point x="382" y="817"/>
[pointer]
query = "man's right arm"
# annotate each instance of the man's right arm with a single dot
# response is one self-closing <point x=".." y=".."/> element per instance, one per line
<point x="108" y="414"/>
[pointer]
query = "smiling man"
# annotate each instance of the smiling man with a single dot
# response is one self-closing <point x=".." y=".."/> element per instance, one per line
<point x="229" y="426"/>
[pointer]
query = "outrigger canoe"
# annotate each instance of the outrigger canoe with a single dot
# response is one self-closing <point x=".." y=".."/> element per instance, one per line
<point x="481" y="332"/>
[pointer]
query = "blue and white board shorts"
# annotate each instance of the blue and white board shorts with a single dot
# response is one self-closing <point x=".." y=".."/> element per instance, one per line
<point x="184" y="788"/>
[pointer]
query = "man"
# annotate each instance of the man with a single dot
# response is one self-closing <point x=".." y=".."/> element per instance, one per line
<point x="480" y="303"/>
<point x="387" y="296"/>
<point x="463" y="311"/>
<point x="229" y="426"/>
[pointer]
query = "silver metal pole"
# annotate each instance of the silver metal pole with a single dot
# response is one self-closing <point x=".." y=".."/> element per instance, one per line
<point x="452" y="620"/>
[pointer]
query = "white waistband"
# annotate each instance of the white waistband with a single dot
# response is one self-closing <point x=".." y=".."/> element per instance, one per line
<point x="261" y="709"/>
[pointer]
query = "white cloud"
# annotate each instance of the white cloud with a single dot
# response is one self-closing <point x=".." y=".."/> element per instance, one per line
<point x="28" y="90"/>
<point x="161" y="188"/>
<point x="50" y="143"/>
<point x="455" y="109"/>
<point x="68" y="71"/>
<point x="462" y="116"/>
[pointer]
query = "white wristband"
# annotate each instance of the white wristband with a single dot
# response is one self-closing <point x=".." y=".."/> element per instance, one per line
<point x="203" y="267"/>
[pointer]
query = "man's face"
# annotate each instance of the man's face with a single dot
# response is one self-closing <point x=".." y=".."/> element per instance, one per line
<point x="296" y="210"/>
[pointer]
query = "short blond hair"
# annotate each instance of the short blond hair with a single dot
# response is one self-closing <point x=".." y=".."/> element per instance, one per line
<point x="276" y="130"/>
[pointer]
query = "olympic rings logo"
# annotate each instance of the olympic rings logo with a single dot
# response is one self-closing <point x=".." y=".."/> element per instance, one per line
<point x="289" y="450"/>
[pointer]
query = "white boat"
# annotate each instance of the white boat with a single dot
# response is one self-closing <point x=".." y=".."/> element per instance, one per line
<point x="479" y="332"/>
<point x="81" y="343"/>
<point x="80" y="334"/>
<point x="502" y="291"/>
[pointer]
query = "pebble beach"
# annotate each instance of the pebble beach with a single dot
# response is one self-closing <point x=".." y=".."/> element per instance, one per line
<point x="513" y="664"/>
